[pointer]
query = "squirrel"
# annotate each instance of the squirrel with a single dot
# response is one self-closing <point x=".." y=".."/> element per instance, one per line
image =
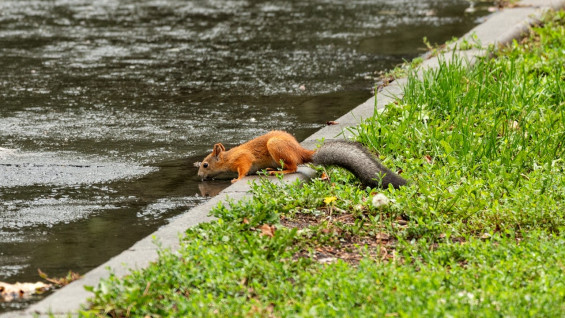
<point x="270" y="150"/>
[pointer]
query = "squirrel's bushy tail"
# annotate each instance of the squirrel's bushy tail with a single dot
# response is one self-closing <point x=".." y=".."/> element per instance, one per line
<point x="356" y="158"/>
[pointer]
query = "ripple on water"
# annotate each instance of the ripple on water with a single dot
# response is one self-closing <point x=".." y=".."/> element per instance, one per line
<point x="20" y="169"/>
<point x="166" y="205"/>
<point x="47" y="212"/>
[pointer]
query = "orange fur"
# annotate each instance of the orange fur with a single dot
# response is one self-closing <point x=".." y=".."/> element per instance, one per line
<point x="264" y="152"/>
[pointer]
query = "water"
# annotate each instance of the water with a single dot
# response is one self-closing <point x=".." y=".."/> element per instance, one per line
<point x="105" y="105"/>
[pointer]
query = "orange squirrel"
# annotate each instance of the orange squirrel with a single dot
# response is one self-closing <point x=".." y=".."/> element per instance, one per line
<point x="269" y="150"/>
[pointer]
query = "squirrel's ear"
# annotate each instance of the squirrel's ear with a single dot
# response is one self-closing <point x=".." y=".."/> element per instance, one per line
<point x="218" y="148"/>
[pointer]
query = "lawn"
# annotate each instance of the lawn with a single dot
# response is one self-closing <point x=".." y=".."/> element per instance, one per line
<point x="478" y="232"/>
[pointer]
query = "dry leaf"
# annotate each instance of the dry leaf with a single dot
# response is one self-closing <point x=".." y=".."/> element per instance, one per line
<point x="267" y="230"/>
<point x="245" y="221"/>
<point x="324" y="176"/>
<point x="71" y="277"/>
<point x="331" y="122"/>
<point x="428" y="159"/>
<point x="9" y="292"/>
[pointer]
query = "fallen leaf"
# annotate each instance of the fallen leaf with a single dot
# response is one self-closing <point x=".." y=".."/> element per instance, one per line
<point x="63" y="281"/>
<point x="267" y="230"/>
<point x="245" y="221"/>
<point x="428" y="159"/>
<point x="331" y="122"/>
<point x="324" y="176"/>
<point x="9" y="292"/>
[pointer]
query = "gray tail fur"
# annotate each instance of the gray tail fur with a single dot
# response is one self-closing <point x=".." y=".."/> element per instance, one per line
<point x="356" y="158"/>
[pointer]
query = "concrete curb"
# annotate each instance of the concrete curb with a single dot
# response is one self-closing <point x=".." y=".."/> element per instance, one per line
<point x="499" y="29"/>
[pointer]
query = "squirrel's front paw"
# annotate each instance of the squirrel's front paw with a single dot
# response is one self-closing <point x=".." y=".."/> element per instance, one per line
<point x="234" y="180"/>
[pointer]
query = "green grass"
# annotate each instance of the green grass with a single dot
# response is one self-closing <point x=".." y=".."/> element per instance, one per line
<point x="479" y="232"/>
<point x="494" y="134"/>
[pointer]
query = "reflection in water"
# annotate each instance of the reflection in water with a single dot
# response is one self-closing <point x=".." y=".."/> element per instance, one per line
<point x="144" y="88"/>
<point x="212" y="188"/>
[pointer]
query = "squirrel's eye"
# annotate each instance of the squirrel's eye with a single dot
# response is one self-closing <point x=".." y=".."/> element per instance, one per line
<point x="205" y="165"/>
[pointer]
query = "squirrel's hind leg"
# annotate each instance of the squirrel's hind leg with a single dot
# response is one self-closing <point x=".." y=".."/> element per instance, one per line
<point x="282" y="150"/>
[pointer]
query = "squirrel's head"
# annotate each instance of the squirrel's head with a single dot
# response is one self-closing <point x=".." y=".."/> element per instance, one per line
<point x="212" y="165"/>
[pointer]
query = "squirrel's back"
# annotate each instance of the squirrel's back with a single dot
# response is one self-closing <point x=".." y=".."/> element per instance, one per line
<point x="356" y="158"/>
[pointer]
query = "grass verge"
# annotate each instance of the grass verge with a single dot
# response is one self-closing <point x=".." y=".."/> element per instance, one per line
<point x="478" y="232"/>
